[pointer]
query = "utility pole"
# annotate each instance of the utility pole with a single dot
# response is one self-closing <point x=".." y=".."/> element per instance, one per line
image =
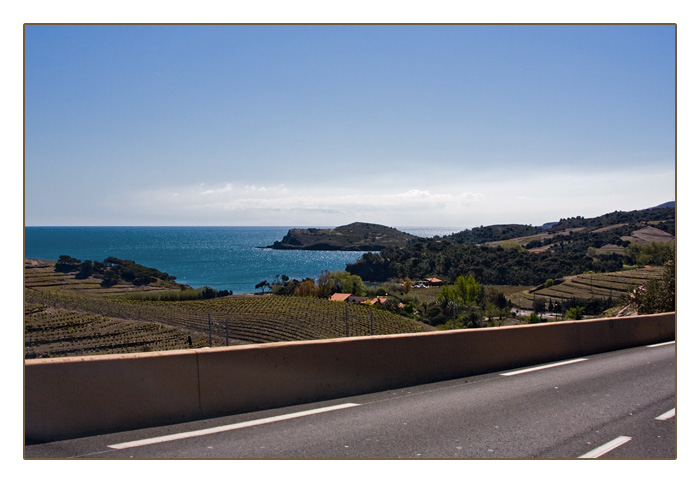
<point x="209" y="318"/>
<point x="454" y="315"/>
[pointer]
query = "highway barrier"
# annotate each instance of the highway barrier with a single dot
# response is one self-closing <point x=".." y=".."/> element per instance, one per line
<point x="80" y="396"/>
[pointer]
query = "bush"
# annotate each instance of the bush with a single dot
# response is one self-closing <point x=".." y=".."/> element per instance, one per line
<point x="658" y="295"/>
<point x="533" y="319"/>
<point x="575" y="313"/>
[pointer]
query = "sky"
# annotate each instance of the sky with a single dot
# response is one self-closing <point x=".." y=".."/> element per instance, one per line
<point x="323" y="125"/>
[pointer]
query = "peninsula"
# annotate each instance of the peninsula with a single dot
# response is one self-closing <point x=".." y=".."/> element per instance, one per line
<point x="358" y="236"/>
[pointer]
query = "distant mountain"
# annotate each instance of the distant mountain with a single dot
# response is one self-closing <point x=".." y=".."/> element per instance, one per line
<point x="373" y="237"/>
<point x="668" y="204"/>
<point x="365" y="237"/>
<point x="661" y="213"/>
<point x="526" y="255"/>
<point x="483" y="234"/>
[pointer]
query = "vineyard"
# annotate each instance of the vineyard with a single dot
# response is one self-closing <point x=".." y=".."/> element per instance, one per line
<point x="64" y="317"/>
<point x="40" y="275"/>
<point x="243" y="319"/>
<point x="595" y="285"/>
<point x="58" y="332"/>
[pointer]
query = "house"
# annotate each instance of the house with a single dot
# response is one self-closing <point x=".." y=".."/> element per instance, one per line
<point x="377" y="300"/>
<point x="347" y="297"/>
<point x="434" y="281"/>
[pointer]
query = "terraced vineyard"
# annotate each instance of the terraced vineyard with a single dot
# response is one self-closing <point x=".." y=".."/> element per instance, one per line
<point x="40" y="275"/>
<point x="65" y="316"/>
<point x="243" y="319"/>
<point x="595" y="285"/>
<point x="56" y="332"/>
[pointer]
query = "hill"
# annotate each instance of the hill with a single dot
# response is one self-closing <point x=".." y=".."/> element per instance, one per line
<point x="527" y="255"/>
<point x="69" y="316"/>
<point x="358" y="236"/>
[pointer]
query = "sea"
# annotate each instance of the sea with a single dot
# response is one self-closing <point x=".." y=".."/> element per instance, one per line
<point x="224" y="258"/>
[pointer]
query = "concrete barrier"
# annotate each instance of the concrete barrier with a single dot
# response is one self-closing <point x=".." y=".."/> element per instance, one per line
<point x="71" y="397"/>
<point x="76" y="396"/>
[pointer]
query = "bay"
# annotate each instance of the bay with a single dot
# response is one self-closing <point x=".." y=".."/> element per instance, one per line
<point x="224" y="258"/>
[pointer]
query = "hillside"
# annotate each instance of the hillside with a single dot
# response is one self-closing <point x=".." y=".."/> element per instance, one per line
<point x="662" y="217"/>
<point x="364" y="237"/>
<point x="69" y="316"/>
<point x="587" y="287"/>
<point x="527" y="255"/>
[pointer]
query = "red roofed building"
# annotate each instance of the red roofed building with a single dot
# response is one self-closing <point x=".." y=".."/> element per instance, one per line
<point x="340" y="297"/>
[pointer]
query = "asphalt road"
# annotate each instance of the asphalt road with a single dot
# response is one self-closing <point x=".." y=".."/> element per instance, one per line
<point x="617" y="405"/>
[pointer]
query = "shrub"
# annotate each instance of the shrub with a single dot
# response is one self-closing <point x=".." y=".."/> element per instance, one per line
<point x="575" y="313"/>
<point x="657" y="295"/>
<point x="533" y="318"/>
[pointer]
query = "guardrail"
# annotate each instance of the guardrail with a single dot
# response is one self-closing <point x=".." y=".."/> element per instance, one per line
<point x="79" y="396"/>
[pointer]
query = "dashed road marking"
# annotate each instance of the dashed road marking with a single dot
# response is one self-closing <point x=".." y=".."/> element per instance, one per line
<point x="228" y="427"/>
<point x="606" y="448"/>
<point x="666" y="415"/>
<point x="539" y="368"/>
<point x="662" y="343"/>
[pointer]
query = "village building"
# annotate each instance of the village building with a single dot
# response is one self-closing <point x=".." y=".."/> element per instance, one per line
<point x="377" y="300"/>
<point x="347" y="297"/>
<point x="340" y="297"/>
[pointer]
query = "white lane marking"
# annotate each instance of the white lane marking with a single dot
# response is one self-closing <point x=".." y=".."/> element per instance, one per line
<point x="667" y="415"/>
<point x="607" y="447"/>
<point x="539" y="368"/>
<point x="662" y="343"/>
<point x="229" y="427"/>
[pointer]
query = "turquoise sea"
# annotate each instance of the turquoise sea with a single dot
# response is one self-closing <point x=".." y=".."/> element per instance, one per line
<point x="224" y="258"/>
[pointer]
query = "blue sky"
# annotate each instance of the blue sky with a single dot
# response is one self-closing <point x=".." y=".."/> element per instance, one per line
<point x="402" y="125"/>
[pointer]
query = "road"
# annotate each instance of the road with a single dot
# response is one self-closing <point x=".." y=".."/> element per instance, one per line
<point x="617" y="405"/>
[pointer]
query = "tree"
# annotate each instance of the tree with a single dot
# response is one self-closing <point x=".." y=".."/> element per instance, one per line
<point x="306" y="288"/>
<point x="446" y="296"/>
<point x="342" y="281"/>
<point x="262" y="285"/>
<point x="66" y="263"/>
<point x="86" y="270"/>
<point x="324" y="284"/>
<point x="656" y="295"/>
<point x="467" y="289"/>
<point x="110" y="278"/>
<point x="406" y="285"/>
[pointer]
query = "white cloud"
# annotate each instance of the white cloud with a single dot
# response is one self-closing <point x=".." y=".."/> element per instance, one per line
<point x="523" y="197"/>
<point x="279" y="204"/>
<point x="226" y="189"/>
